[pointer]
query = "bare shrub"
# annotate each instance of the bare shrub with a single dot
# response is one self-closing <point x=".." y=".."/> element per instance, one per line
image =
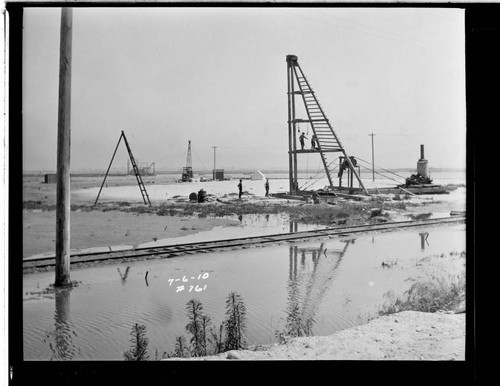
<point x="139" y="349"/>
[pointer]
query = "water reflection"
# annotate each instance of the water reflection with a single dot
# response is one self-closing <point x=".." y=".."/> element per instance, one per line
<point x="423" y="240"/>
<point x="309" y="298"/>
<point x="62" y="336"/>
<point x="308" y="280"/>
<point x="124" y="276"/>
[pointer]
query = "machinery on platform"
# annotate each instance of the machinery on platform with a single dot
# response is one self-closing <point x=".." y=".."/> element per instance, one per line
<point x="422" y="176"/>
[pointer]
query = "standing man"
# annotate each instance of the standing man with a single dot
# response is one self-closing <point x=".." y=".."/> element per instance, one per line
<point x="266" y="185"/>
<point x="313" y="142"/>
<point x="301" y="138"/>
<point x="240" y="188"/>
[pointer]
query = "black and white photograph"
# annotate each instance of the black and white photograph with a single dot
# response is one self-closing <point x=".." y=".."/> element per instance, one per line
<point x="243" y="183"/>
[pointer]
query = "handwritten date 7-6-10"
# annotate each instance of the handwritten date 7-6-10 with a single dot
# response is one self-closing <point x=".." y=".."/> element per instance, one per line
<point x="185" y="279"/>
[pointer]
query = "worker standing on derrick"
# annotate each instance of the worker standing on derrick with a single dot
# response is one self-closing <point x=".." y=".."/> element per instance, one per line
<point x="313" y="142"/>
<point x="302" y="138"/>
<point x="266" y="185"/>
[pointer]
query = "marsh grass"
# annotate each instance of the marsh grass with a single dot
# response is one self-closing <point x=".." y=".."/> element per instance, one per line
<point x="235" y="323"/>
<point x="295" y="326"/>
<point x="303" y="213"/>
<point x="436" y="294"/>
<point x="205" y="339"/>
<point x="420" y="216"/>
<point x="320" y="214"/>
<point x="216" y="339"/>
<point x="198" y="327"/>
<point x="139" y="348"/>
<point x="39" y="205"/>
<point x="181" y="349"/>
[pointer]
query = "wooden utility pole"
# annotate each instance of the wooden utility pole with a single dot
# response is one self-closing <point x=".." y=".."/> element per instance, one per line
<point x="63" y="153"/>
<point x="373" y="158"/>
<point x="214" y="173"/>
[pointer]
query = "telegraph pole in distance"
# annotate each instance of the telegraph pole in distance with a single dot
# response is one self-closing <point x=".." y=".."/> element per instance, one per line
<point x="373" y="158"/>
<point x="214" y="174"/>
<point x="63" y="208"/>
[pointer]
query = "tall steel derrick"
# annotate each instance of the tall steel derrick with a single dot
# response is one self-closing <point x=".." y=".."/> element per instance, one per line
<point x="326" y="139"/>
<point x="187" y="171"/>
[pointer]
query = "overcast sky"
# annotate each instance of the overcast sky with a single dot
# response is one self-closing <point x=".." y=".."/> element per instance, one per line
<point x="217" y="77"/>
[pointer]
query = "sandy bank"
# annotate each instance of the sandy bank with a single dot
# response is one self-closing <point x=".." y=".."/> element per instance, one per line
<point x="407" y="335"/>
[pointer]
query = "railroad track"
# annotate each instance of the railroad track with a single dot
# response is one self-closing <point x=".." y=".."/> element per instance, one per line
<point x="168" y="251"/>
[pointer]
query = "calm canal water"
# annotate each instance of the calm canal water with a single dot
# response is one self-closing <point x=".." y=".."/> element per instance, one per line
<point x="337" y="283"/>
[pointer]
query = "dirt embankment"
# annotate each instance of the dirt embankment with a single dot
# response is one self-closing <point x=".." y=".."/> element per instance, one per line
<point x="408" y="335"/>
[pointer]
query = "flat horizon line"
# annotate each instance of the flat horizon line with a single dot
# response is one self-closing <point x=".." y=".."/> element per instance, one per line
<point x="229" y="171"/>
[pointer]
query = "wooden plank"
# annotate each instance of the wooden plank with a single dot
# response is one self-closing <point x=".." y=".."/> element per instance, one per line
<point x="315" y="151"/>
<point x="407" y="191"/>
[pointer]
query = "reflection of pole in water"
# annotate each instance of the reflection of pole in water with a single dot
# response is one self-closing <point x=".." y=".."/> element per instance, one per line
<point x="64" y="347"/>
<point x="293" y="300"/>
<point x="123" y="277"/>
<point x="293" y="325"/>
<point x="295" y="263"/>
<point x="62" y="306"/>
<point x="423" y="240"/>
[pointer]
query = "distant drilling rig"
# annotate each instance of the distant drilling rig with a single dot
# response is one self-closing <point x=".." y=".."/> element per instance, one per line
<point x="187" y="171"/>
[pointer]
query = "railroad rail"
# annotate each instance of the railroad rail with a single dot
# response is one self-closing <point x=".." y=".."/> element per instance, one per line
<point x="168" y="251"/>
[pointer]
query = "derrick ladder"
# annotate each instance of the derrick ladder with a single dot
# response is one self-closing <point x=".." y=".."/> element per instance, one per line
<point x="137" y="173"/>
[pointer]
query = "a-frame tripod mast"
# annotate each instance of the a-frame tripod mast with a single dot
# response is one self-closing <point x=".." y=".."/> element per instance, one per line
<point x="137" y="173"/>
<point x="326" y="138"/>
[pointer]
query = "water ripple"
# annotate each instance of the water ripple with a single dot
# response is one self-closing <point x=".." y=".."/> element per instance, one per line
<point x="337" y="289"/>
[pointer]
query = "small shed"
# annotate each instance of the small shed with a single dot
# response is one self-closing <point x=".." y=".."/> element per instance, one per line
<point x="218" y="174"/>
<point x="50" y="178"/>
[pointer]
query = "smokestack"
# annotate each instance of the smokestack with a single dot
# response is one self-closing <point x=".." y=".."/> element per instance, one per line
<point x="422" y="164"/>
